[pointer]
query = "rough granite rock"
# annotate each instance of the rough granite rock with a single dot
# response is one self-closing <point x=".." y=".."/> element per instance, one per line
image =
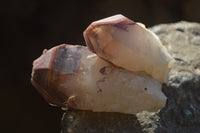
<point x="181" y="113"/>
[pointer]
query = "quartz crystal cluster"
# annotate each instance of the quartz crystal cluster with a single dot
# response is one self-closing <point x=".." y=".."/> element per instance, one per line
<point x="121" y="70"/>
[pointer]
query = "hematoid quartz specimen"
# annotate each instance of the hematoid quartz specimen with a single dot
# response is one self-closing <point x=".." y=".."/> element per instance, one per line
<point x="124" y="74"/>
<point x="129" y="45"/>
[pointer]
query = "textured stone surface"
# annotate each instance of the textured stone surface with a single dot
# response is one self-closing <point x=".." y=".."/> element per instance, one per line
<point x="182" y="111"/>
<point x="78" y="121"/>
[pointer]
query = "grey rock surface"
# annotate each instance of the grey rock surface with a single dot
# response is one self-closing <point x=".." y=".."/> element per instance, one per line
<point x="78" y="121"/>
<point x="181" y="113"/>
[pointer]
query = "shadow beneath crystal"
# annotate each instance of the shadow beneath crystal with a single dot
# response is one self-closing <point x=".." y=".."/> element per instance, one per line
<point x="80" y="121"/>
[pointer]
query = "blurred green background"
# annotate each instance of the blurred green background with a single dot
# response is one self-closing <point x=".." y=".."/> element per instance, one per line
<point x="29" y="26"/>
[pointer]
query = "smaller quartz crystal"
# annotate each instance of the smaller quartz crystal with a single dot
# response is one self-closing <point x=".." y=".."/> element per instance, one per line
<point x="129" y="45"/>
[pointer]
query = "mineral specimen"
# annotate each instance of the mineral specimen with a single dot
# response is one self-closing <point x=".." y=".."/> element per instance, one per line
<point x="73" y="76"/>
<point x="129" y="45"/>
<point x="123" y="73"/>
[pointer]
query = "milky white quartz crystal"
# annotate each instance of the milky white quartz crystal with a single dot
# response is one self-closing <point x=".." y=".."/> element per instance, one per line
<point x="121" y="70"/>
<point x="73" y="76"/>
<point x="129" y="45"/>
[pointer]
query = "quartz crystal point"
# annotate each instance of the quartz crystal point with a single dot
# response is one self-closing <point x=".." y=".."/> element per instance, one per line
<point x="73" y="76"/>
<point x="129" y="45"/>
